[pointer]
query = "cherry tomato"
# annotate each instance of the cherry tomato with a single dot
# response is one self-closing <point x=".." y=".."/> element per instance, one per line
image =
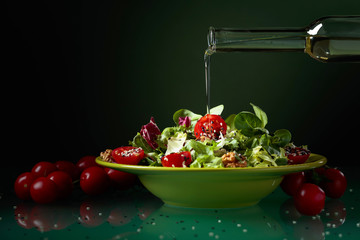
<point x="94" y="180"/>
<point x="182" y="159"/>
<point x="22" y="185"/>
<point x="210" y="126"/>
<point x="86" y="162"/>
<point x="334" y="183"/>
<point x="43" y="190"/>
<point x="42" y="169"/>
<point x="128" y="155"/>
<point x="292" y="182"/>
<point x="69" y="168"/>
<point x="63" y="182"/>
<point x="121" y="180"/>
<point x="309" y="199"/>
<point x="297" y="155"/>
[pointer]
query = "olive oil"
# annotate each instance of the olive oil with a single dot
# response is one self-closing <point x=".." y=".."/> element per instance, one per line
<point x="328" y="39"/>
<point x="336" y="49"/>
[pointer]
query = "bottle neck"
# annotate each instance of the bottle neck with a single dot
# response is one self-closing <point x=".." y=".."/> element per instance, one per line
<point x="231" y="40"/>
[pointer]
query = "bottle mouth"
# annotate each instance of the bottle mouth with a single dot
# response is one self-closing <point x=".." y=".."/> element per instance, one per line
<point x="211" y="39"/>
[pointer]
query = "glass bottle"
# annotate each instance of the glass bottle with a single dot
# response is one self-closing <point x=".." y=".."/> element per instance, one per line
<point x="328" y="39"/>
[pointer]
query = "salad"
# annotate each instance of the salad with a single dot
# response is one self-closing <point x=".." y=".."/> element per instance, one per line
<point x="196" y="141"/>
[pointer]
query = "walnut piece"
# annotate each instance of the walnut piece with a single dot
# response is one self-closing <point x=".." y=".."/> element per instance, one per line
<point x="106" y="156"/>
<point x="231" y="160"/>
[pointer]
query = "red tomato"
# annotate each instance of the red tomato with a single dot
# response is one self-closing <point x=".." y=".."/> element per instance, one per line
<point x="69" y="168"/>
<point x="292" y="182"/>
<point x="63" y="182"/>
<point x="120" y="179"/>
<point x="297" y="155"/>
<point x="309" y="199"/>
<point x="210" y="126"/>
<point x="22" y="185"/>
<point x="128" y="155"/>
<point x="182" y="159"/>
<point x="42" y="169"/>
<point x="86" y="162"/>
<point x="43" y="190"/>
<point x="334" y="183"/>
<point x="94" y="180"/>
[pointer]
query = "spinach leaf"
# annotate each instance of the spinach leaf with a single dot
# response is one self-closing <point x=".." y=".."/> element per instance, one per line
<point x="281" y="137"/>
<point x="260" y="114"/>
<point x="230" y="121"/>
<point x="248" y="123"/>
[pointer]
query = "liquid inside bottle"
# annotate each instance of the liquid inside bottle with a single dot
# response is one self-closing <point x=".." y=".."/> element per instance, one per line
<point x="328" y="39"/>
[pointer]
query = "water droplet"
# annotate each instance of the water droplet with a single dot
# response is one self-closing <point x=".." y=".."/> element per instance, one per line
<point x="219" y="221"/>
<point x="358" y="224"/>
<point x="293" y="222"/>
<point x="245" y="230"/>
<point x="238" y="225"/>
<point x="193" y="227"/>
<point x="340" y="235"/>
<point x="211" y="234"/>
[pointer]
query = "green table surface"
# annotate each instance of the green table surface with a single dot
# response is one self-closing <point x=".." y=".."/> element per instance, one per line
<point x="137" y="214"/>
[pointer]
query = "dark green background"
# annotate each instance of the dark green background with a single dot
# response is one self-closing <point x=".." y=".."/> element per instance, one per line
<point x="83" y="76"/>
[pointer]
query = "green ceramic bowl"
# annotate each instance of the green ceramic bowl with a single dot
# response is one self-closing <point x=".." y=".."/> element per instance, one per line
<point x="213" y="187"/>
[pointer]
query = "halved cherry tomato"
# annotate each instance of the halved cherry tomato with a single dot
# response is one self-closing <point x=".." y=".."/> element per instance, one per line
<point x="210" y="126"/>
<point x="182" y="159"/>
<point x="128" y="155"/>
<point x="297" y="155"/>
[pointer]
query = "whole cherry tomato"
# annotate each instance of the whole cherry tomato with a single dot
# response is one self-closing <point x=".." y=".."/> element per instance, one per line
<point x="334" y="183"/>
<point x="297" y="155"/>
<point x="43" y="190"/>
<point x="292" y="182"/>
<point x="22" y="185"/>
<point x="210" y="126"/>
<point x="69" y="168"/>
<point x="121" y="180"/>
<point x="309" y="199"/>
<point x="42" y="169"/>
<point x="94" y="180"/>
<point x="63" y="182"/>
<point x="86" y="162"/>
<point x="182" y="159"/>
<point x="128" y="155"/>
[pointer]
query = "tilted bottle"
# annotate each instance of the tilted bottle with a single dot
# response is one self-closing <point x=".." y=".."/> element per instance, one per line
<point x="328" y="39"/>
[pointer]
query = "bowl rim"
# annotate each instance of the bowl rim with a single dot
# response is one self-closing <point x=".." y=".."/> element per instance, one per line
<point x="314" y="161"/>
